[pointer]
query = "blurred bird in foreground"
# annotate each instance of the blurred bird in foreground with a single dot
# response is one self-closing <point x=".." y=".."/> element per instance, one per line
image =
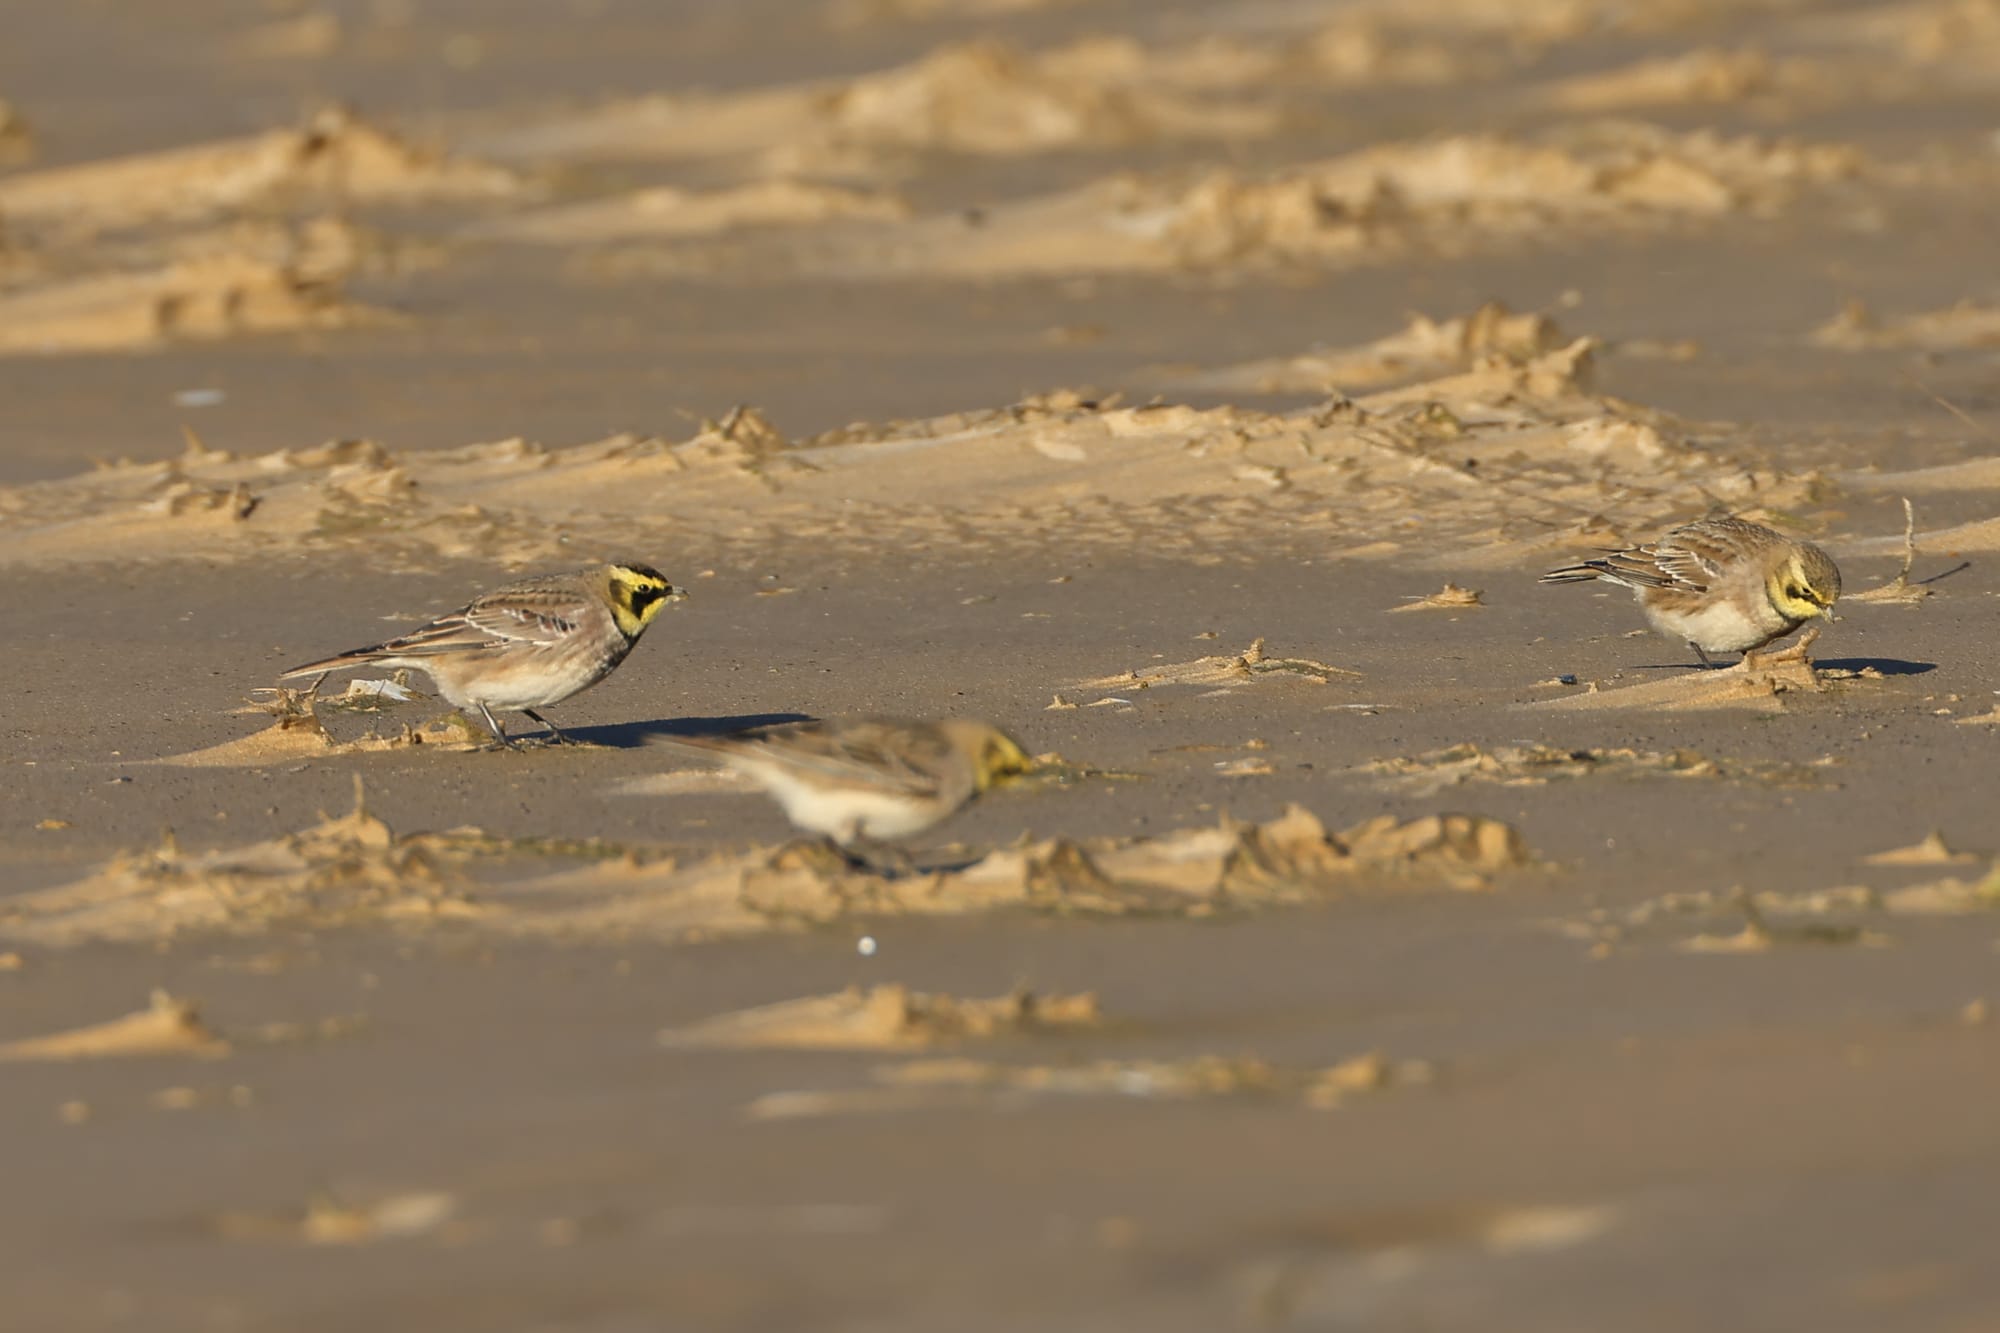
<point x="862" y="780"/>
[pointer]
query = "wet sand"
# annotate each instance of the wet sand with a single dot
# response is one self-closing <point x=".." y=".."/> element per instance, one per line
<point x="1144" y="378"/>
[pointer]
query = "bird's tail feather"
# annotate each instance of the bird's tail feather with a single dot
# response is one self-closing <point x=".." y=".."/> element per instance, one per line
<point x="1583" y="573"/>
<point x="352" y="658"/>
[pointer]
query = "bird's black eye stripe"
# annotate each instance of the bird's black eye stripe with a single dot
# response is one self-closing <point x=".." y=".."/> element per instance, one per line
<point x="641" y="596"/>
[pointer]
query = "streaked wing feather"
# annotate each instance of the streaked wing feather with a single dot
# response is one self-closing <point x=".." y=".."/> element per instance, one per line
<point x="446" y="634"/>
<point x="522" y="621"/>
<point x="1666" y="564"/>
<point x="1683" y="565"/>
<point x="863" y="756"/>
<point x="540" y="612"/>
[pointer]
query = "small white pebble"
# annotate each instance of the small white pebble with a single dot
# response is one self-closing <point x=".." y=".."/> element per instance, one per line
<point x="865" y="946"/>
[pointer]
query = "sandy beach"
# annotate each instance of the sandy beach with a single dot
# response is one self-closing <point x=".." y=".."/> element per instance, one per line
<point x="1195" y="390"/>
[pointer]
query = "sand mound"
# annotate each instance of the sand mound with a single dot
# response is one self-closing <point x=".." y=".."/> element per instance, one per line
<point x="1537" y="765"/>
<point x="665" y="211"/>
<point x="17" y="141"/>
<point x="988" y="98"/>
<point x="1505" y="462"/>
<point x="342" y="870"/>
<point x="246" y="276"/>
<point x="224" y="297"/>
<point x="1426" y="348"/>
<point x="1452" y="195"/>
<point x="1972" y="474"/>
<point x="1507" y="23"/>
<point x="1712" y="75"/>
<point x="1969" y="324"/>
<point x="301" y="735"/>
<point x="1195" y="872"/>
<point x="887" y="1018"/>
<point x="1461" y="190"/>
<point x="1451" y="597"/>
<point x="333" y="158"/>
<point x="982" y="98"/>
<point x="354" y="868"/>
<point x="1768" y="920"/>
<point x="1762" y="684"/>
<point x="1366" y="50"/>
<point x="1223" y="671"/>
<point x="1930" y="850"/>
<point x="926" y="1084"/>
<point x="329" y="1221"/>
<point x="166" y="1027"/>
<point x="862" y="13"/>
<point x="1936" y="36"/>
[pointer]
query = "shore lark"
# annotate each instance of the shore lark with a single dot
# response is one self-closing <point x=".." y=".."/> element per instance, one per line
<point x="1723" y="584"/>
<point x="527" y="645"/>
<point x="866" y="779"/>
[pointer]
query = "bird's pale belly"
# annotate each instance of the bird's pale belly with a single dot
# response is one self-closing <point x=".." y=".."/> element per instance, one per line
<point x="524" y="682"/>
<point x="843" y="813"/>
<point x="1720" y="628"/>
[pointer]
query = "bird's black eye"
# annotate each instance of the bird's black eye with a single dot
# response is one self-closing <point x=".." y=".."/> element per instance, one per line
<point x="1796" y="593"/>
<point x="641" y="596"/>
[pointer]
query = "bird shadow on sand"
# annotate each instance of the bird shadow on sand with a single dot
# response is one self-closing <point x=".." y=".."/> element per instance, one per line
<point x="1691" y="668"/>
<point x="1881" y="666"/>
<point x="632" y="735"/>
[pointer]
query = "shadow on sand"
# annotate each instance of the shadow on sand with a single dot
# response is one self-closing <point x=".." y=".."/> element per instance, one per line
<point x="1886" y="666"/>
<point x="1883" y="666"/>
<point x="631" y="735"/>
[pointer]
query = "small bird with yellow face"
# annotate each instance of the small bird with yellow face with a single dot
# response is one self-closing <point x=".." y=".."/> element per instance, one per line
<point x="865" y="779"/>
<point x="527" y="645"/>
<point x="1721" y="583"/>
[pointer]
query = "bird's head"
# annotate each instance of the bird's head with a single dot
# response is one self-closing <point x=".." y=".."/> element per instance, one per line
<point x="996" y="756"/>
<point x="637" y="593"/>
<point x="1805" y="584"/>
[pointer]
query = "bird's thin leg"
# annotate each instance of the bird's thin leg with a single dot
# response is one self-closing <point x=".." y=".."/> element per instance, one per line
<point x="493" y="725"/>
<point x="557" y="736"/>
<point x="1708" y="663"/>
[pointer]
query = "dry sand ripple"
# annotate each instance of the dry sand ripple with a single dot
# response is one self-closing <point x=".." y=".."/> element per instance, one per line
<point x="1513" y="459"/>
<point x="354" y="868"/>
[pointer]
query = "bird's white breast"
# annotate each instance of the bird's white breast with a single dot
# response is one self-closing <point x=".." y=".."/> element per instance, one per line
<point x="1720" y="627"/>
<point x="843" y="813"/>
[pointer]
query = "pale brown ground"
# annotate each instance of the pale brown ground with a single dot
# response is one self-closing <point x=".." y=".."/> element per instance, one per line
<point x="1691" y="1053"/>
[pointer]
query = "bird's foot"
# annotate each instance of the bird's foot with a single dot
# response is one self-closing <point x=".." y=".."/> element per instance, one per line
<point x="556" y="736"/>
<point x="500" y="741"/>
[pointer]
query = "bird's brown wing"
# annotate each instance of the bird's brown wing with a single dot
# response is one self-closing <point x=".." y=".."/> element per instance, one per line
<point x="540" y="620"/>
<point x="883" y="755"/>
<point x="526" y="616"/>
<point x="1683" y="561"/>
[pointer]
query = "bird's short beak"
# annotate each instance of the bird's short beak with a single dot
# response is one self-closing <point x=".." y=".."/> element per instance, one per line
<point x="677" y="594"/>
<point x="1826" y="613"/>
